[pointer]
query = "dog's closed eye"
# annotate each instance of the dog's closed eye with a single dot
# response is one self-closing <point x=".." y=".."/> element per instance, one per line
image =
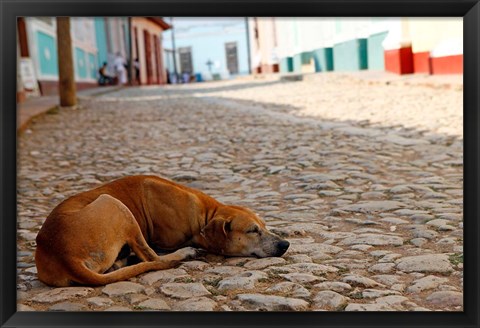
<point x="254" y="229"/>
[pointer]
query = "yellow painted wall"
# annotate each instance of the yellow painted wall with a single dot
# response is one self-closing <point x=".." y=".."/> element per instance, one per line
<point x="426" y="33"/>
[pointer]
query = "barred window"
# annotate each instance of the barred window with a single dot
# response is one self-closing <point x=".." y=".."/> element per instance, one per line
<point x="46" y="20"/>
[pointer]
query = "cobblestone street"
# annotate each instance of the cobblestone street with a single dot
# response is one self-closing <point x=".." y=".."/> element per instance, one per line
<point x="364" y="180"/>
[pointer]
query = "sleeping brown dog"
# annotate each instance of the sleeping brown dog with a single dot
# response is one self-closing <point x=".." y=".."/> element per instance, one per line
<point x="83" y="236"/>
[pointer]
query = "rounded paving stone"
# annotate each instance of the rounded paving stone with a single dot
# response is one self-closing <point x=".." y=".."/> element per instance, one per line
<point x="153" y="304"/>
<point x="197" y="304"/>
<point x="99" y="301"/>
<point x="329" y="300"/>
<point x="425" y="263"/>
<point x="259" y="302"/>
<point x="62" y="294"/>
<point x="163" y="276"/>
<point x="335" y="286"/>
<point x="445" y="298"/>
<point x="122" y="288"/>
<point x="290" y="289"/>
<point x="184" y="290"/>
<point x="245" y="280"/>
<point x="428" y="282"/>
<point x="68" y="306"/>
<point x="259" y="264"/>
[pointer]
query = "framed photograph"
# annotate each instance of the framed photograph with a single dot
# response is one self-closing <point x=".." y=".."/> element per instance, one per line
<point x="234" y="164"/>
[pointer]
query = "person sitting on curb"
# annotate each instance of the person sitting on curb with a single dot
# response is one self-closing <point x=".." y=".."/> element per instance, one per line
<point x="104" y="78"/>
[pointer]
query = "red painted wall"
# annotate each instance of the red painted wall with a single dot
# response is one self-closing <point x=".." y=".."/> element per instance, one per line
<point x="399" y="61"/>
<point x="447" y="65"/>
<point x="421" y="62"/>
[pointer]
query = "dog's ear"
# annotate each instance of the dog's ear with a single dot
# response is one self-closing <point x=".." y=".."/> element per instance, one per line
<point x="217" y="229"/>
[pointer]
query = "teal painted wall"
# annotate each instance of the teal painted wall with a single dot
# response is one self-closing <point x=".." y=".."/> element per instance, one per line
<point x="125" y="36"/>
<point x="376" y="58"/>
<point x="307" y="57"/>
<point x="47" y="53"/>
<point x="80" y="63"/>
<point x="101" y="41"/>
<point x="323" y="59"/>
<point x="297" y="63"/>
<point x="286" y="65"/>
<point x="92" y="66"/>
<point x="300" y="59"/>
<point x="350" y="55"/>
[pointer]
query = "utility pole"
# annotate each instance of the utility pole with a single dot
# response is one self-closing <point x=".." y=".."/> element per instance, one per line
<point x="131" y="68"/>
<point x="174" y="51"/>
<point x="66" y="74"/>
<point x="248" y="46"/>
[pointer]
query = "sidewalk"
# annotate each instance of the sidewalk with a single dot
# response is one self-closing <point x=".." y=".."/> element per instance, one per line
<point x="382" y="77"/>
<point x="33" y="107"/>
<point x="454" y="81"/>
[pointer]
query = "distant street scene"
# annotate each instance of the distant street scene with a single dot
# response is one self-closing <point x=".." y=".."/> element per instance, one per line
<point x="359" y="167"/>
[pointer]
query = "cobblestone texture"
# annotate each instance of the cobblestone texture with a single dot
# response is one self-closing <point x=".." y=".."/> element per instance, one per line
<point x="373" y="210"/>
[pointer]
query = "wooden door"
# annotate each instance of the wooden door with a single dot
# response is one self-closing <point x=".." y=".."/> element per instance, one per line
<point x="158" y="60"/>
<point x="148" y="56"/>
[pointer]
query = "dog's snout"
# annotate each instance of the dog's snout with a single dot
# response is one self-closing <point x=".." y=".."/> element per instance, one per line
<point x="282" y="247"/>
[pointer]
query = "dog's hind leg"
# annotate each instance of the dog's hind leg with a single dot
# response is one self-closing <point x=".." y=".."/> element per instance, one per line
<point x="131" y="235"/>
<point x="83" y="275"/>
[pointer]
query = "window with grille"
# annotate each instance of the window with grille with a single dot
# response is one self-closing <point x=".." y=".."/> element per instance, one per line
<point x="185" y="54"/>
<point x="232" y="57"/>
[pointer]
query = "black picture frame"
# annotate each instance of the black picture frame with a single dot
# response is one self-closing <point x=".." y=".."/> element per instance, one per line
<point x="468" y="9"/>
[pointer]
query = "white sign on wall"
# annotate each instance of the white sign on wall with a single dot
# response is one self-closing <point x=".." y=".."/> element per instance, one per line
<point x="29" y="79"/>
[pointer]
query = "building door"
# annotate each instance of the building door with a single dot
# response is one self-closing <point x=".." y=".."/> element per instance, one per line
<point x="158" y="58"/>
<point x="186" y="65"/>
<point x="148" y="56"/>
<point x="232" y="57"/>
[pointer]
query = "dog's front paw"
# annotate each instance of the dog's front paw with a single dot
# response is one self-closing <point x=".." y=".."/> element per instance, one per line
<point x="188" y="253"/>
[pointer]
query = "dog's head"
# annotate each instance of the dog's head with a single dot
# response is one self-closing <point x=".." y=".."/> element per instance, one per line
<point x="237" y="231"/>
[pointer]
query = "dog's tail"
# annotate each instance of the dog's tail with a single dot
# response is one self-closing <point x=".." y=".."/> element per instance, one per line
<point x="84" y="276"/>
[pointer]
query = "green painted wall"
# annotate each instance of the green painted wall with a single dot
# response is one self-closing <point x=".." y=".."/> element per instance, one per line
<point x="350" y="55"/>
<point x="300" y="59"/>
<point x="92" y="65"/>
<point x="376" y="58"/>
<point x="101" y="40"/>
<point x="286" y="65"/>
<point x="47" y="54"/>
<point x="323" y="59"/>
<point x="80" y="63"/>
<point x="297" y="63"/>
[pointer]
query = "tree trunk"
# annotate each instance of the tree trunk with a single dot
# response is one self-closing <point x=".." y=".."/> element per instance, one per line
<point x="66" y="74"/>
<point x="20" y="90"/>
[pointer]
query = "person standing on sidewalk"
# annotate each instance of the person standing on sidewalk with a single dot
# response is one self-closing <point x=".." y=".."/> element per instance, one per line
<point x="120" y="70"/>
<point x="136" y="65"/>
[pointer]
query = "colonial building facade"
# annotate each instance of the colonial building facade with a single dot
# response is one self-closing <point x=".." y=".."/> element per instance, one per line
<point x="397" y="45"/>
<point x="38" y="44"/>
<point x="207" y="48"/>
<point x="95" y="40"/>
<point x="147" y="48"/>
